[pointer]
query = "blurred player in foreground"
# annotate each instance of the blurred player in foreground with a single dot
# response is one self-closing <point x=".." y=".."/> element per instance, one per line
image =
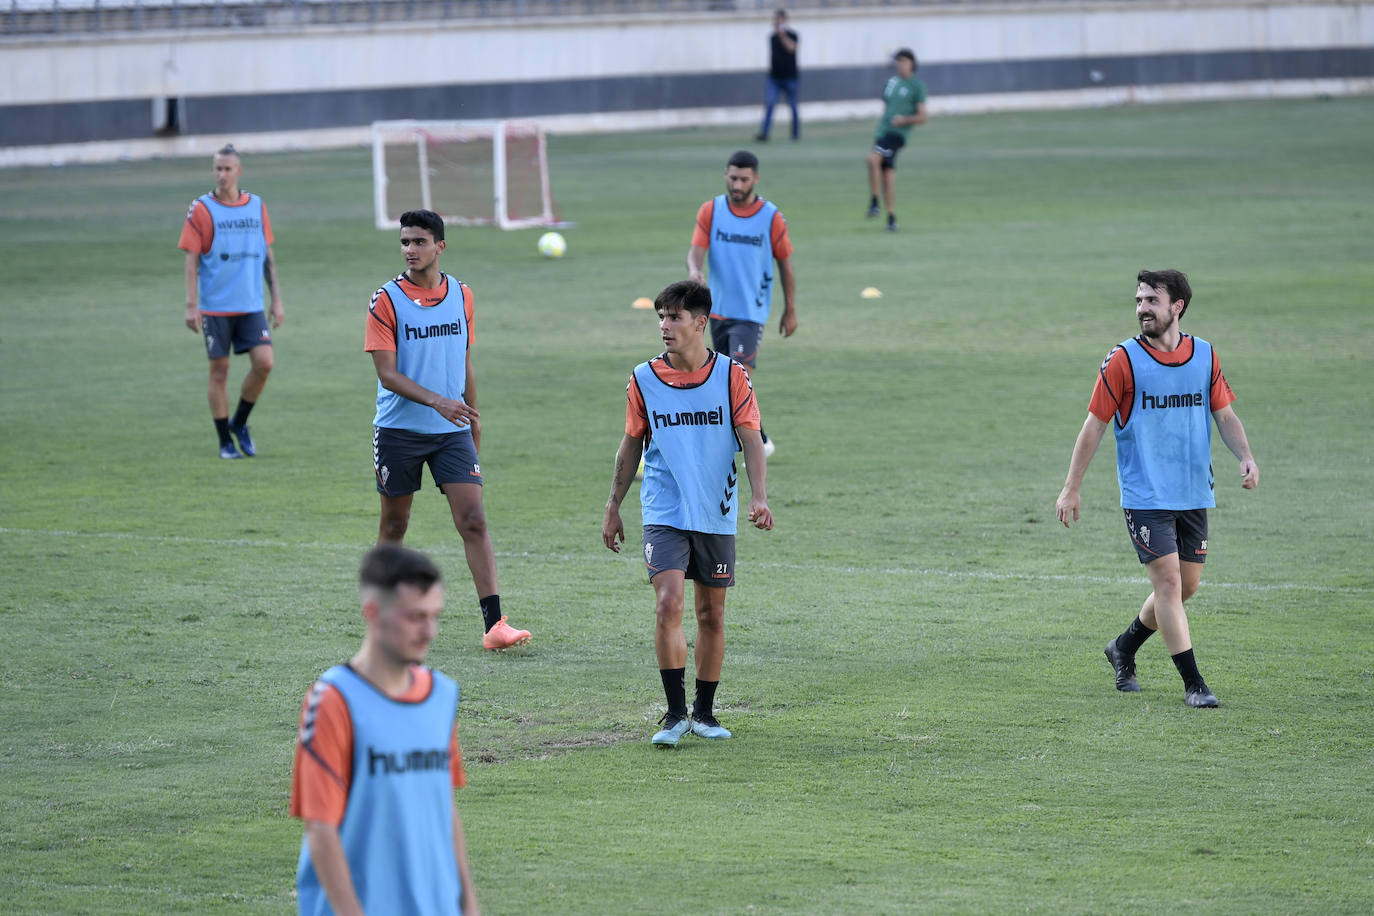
<point x="227" y="238"/>
<point x="1164" y="388"/>
<point x="419" y="332"/>
<point x="377" y="760"/>
<point x="743" y="234"/>
<point x="904" y="106"/>
<point x="689" y="410"/>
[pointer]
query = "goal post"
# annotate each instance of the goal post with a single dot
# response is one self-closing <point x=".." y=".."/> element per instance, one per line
<point x="472" y="173"/>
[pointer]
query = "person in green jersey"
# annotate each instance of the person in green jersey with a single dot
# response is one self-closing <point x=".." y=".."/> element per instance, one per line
<point x="904" y="106"/>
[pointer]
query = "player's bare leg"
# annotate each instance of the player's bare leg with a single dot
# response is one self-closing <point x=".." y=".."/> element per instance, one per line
<point x="395" y="519"/>
<point x="261" y="363"/>
<point x="670" y="642"/>
<point x="1121" y="651"/>
<point x="889" y="189"/>
<point x="1190" y="574"/>
<point x="260" y="366"/>
<point x="218" y="389"/>
<point x="710" y="653"/>
<point x="670" y="646"/>
<point x="1166" y="575"/>
<point x="875" y="165"/>
<point x="465" y="503"/>
<point x="1163" y="609"/>
<point x="710" y="647"/>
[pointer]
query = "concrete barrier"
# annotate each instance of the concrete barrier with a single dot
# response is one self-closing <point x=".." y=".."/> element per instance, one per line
<point x="86" y="99"/>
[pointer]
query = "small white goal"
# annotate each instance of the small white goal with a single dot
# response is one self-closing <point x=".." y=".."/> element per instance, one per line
<point x="472" y="173"/>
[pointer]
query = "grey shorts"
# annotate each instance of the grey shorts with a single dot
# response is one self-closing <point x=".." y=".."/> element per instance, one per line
<point x="706" y="558"/>
<point x="243" y="332"/>
<point x="399" y="457"/>
<point x="738" y="339"/>
<point x="1159" y="532"/>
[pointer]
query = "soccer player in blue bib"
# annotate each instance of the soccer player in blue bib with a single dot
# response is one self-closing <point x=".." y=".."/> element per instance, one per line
<point x="377" y="761"/>
<point x="419" y="332"/>
<point x="227" y="238"/>
<point x="689" y="411"/>
<point x="737" y="239"/>
<point x="1161" y="390"/>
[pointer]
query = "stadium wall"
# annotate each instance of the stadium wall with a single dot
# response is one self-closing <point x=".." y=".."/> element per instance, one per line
<point x="101" y="97"/>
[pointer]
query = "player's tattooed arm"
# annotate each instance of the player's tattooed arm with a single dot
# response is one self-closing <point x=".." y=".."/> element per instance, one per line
<point x="626" y="464"/>
<point x="616" y="494"/>
<point x="269" y="274"/>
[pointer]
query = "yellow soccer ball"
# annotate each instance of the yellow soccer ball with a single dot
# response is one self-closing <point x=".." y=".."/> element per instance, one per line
<point x="552" y="245"/>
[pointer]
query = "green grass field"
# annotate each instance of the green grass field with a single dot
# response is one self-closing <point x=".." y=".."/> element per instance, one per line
<point x="924" y="720"/>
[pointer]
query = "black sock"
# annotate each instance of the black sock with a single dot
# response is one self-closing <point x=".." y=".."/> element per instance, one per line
<point x="491" y="611"/>
<point x="675" y="690"/>
<point x="1187" y="669"/>
<point x="241" y="414"/>
<point x="222" y="427"/>
<point x="1134" y="637"/>
<point x="706" y="696"/>
<point x="891" y="219"/>
<point x="873" y="201"/>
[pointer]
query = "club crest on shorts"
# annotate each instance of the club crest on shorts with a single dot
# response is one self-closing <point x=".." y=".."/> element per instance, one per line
<point x="648" y="553"/>
<point x="1144" y="535"/>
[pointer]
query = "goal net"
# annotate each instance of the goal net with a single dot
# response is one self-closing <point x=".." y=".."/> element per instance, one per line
<point x="472" y="173"/>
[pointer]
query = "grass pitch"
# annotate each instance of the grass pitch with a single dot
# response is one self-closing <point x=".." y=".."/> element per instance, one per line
<point x="924" y="721"/>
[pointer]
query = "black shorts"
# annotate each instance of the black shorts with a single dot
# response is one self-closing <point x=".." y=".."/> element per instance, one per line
<point x="1159" y="532"/>
<point x="738" y="339"/>
<point x="399" y="456"/>
<point x="244" y="332"/>
<point x="887" y="146"/>
<point x="707" y="558"/>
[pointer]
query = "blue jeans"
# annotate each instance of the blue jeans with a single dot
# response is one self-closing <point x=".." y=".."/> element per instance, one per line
<point x="788" y="87"/>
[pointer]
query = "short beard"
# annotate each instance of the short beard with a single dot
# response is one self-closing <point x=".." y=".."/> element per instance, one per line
<point x="1158" y="331"/>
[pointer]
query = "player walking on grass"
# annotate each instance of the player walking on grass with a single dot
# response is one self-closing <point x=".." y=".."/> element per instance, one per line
<point x="228" y="243"/>
<point x="1163" y="388"/>
<point x="743" y="234"/>
<point x="419" y="332"/>
<point x="689" y="410"/>
<point x="904" y="106"/>
<point x="377" y="760"/>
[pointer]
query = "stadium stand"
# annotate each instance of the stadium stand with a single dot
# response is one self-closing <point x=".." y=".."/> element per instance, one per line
<point x="76" y="17"/>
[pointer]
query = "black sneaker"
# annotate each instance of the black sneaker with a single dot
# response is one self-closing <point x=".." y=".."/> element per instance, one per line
<point x="872" y="211"/>
<point x="1200" y="697"/>
<point x="1124" y="666"/>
